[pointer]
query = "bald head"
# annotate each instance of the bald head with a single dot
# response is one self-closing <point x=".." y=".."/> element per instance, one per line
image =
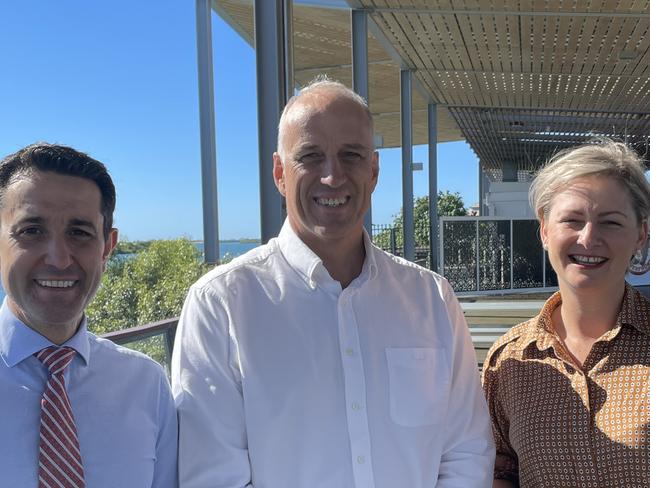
<point x="315" y="97"/>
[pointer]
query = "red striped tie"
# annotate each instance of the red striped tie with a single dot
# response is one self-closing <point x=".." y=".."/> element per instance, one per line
<point x="59" y="458"/>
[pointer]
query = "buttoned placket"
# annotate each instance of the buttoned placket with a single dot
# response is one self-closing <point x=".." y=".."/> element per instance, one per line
<point x="581" y="419"/>
<point x="355" y="390"/>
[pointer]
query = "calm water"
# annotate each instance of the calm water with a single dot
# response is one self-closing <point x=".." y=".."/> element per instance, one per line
<point x="233" y="248"/>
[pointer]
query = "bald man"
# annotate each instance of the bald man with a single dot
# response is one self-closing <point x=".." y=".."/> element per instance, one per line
<point x="318" y="360"/>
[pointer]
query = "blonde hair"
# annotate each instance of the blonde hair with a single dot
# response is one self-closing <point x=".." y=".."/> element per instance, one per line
<point x="601" y="157"/>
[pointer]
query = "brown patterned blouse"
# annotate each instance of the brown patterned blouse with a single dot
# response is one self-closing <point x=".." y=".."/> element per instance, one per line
<point x="557" y="426"/>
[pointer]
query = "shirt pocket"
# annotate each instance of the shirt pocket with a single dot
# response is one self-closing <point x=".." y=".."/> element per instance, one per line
<point x="418" y="379"/>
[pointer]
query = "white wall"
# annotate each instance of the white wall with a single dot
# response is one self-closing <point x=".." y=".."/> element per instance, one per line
<point x="508" y="199"/>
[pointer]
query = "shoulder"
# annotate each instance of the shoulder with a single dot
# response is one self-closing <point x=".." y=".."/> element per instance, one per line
<point x="401" y="268"/>
<point x="511" y="343"/>
<point x="253" y="262"/>
<point x="116" y="360"/>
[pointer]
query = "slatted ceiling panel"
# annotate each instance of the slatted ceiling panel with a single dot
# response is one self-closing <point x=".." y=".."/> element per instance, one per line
<point x="639" y="43"/>
<point x="474" y="62"/>
<point x="530" y="137"/>
<point x="381" y="97"/>
<point x="631" y="38"/>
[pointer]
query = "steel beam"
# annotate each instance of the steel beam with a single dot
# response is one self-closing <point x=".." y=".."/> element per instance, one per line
<point x="207" y="131"/>
<point x="407" y="160"/>
<point x="270" y="60"/>
<point x="433" y="185"/>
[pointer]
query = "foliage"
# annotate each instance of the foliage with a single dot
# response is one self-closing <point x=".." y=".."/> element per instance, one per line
<point x="131" y="247"/>
<point x="449" y="204"/>
<point x="147" y="287"/>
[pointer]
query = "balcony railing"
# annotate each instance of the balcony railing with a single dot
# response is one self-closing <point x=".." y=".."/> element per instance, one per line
<point x="134" y="337"/>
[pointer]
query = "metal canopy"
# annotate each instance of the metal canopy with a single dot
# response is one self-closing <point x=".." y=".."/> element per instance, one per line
<point x="517" y="79"/>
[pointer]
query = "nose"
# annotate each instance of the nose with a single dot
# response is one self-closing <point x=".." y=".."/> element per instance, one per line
<point x="588" y="235"/>
<point x="58" y="253"/>
<point x="333" y="174"/>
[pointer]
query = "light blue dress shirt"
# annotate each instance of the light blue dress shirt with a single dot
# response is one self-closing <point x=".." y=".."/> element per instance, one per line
<point x="123" y="408"/>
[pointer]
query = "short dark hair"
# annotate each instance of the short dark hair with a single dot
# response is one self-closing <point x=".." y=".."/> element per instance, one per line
<point x="64" y="160"/>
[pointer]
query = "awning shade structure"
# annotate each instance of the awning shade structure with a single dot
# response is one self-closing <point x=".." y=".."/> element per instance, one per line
<point x="516" y="80"/>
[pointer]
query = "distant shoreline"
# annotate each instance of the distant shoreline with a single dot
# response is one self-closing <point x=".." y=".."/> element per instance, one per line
<point x="243" y="240"/>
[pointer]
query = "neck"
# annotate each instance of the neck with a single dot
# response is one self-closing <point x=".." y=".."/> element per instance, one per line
<point x="342" y="260"/>
<point x="588" y="316"/>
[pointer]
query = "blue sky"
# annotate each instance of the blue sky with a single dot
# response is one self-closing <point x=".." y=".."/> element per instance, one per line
<point x="119" y="81"/>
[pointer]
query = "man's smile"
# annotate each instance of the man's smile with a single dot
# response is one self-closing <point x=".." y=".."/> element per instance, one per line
<point x="56" y="283"/>
<point x="332" y="202"/>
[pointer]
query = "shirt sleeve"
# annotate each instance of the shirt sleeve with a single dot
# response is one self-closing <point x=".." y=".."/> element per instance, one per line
<point x="468" y="451"/>
<point x="506" y="465"/>
<point x="166" y="467"/>
<point x="206" y="383"/>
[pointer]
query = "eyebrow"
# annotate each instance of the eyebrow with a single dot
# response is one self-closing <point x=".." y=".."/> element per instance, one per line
<point x="30" y="220"/>
<point x="612" y="212"/>
<point x="603" y="214"/>
<point x="307" y="147"/>
<point x="356" y="145"/>
<point x="40" y="220"/>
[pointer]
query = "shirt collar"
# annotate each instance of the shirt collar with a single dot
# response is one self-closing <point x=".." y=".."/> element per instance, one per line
<point x="18" y="341"/>
<point x="635" y="311"/>
<point x="310" y="267"/>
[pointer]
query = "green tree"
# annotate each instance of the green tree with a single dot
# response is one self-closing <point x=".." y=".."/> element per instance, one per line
<point x="146" y="287"/>
<point x="449" y="204"/>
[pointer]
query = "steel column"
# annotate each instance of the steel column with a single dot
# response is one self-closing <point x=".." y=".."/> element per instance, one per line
<point x="270" y="60"/>
<point x="433" y="185"/>
<point x="481" y="212"/>
<point x="287" y="25"/>
<point x="207" y="131"/>
<point x="360" y="73"/>
<point x="407" y="164"/>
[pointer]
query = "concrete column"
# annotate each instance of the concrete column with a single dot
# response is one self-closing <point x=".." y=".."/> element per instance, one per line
<point x="407" y="164"/>
<point x="207" y="131"/>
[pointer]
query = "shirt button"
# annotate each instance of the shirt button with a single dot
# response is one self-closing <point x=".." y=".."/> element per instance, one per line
<point x="355" y="406"/>
<point x="349" y="351"/>
<point x="361" y="459"/>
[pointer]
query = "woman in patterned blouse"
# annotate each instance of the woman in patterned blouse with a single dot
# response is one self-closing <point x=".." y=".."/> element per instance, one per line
<point x="568" y="390"/>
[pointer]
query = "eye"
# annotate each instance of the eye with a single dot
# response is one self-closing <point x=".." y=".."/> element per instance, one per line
<point x="572" y="222"/>
<point x="612" y="223"/>
<point x="80" y="234"/>
<point x="31" y="231"/>
<point x="351" y="155"/>
<point x="311" y="157"/>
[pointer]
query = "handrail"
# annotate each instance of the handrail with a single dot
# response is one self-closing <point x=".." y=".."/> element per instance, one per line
<point x="166" y="327"/>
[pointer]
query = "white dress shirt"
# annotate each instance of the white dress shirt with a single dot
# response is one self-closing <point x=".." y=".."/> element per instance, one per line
<point x="284" y="380"/>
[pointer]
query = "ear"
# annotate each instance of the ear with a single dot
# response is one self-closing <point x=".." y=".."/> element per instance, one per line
<point x="109" y="245"/>
<point x="643" y="235"/>
<point x="374" y="165"/>
<point x="278" y="174"/>
<point x="543" y="231"/>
